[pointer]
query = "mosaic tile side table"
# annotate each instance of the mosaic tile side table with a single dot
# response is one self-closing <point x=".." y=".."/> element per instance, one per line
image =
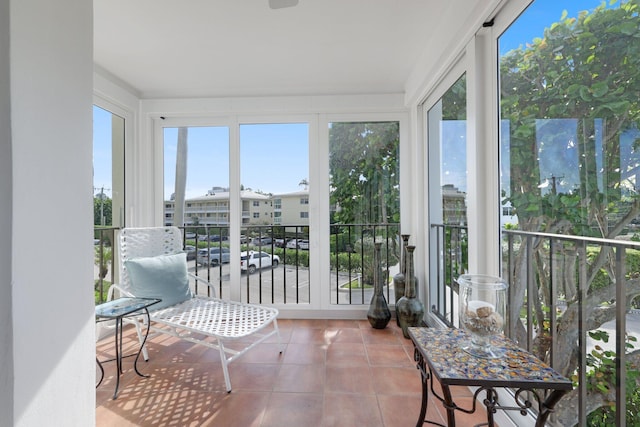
<point x="439" y="355"/>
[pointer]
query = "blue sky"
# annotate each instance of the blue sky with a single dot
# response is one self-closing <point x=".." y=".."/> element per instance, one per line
<point x="274" y="157"/>
<point x="539" y="15"/>
<point x="101" y="151"/>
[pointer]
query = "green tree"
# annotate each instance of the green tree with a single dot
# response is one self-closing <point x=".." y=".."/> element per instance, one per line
<point x="102" y="208"/>
<point x="585" y="68"/>
<point x="363" y="160"/>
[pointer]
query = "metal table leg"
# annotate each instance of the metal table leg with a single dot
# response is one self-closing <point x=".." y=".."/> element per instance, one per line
<point x="547" y="406"/>
<point x="146" y="335"/>
<point x="118" y="359"/>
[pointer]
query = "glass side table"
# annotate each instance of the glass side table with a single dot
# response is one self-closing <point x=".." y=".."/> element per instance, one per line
<point x="439" y="355"/>
<point x="117" y="310"/>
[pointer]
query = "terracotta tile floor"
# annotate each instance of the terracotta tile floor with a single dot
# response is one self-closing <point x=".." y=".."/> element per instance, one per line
<point x="332" y="373"/>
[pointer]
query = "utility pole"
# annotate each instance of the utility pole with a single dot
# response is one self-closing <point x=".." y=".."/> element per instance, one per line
<point x="102" y="196"/>
<point x="553" y="183"/>
<point x="102" y="206"/>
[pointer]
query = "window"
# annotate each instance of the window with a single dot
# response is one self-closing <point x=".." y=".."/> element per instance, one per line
<point x="274" y="159"/>
<point x="447" y="191"/>
<point x="196" y="164"/>
<point x="304" y="200"/>
<point x="569" y="136"/>
<point x="364" y="204"/>
<point x="108" y="168"/>
<point x="447" y="133"/>
<point x="304" y="214"/>
<point x="364" y="172"/>
<point x="256" y="214"/>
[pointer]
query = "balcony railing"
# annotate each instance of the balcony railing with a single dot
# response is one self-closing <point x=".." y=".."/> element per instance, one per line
<point x="289" y="283"/>
<point x="104" y="263"/>
<point x="352" y="268"/>
<point x="351" y="262"/>
<point x="564" y="294"/>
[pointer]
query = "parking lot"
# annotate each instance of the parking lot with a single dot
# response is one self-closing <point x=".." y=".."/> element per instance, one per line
<point x="283" y="284"/>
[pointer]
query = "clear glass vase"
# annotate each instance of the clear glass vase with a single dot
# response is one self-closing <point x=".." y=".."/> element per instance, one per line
<point x="482" y="303"/>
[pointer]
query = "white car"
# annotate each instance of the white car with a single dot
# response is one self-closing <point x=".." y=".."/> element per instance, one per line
<point x="298" y="243"/>
<point x="252" y="260"/>
<point x="292" y="244"/>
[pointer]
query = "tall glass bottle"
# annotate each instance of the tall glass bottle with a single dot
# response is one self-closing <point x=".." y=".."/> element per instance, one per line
<point x="379" y="314"/>
<point x="409" y="309"/>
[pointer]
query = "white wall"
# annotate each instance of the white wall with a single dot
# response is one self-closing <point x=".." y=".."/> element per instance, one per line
<point x="50" y="218"/>
<point x="6" y="325"/>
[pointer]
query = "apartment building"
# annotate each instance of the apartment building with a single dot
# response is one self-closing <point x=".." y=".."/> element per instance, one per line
<point x="213" y="209"/>
<point x="291" y="208"/>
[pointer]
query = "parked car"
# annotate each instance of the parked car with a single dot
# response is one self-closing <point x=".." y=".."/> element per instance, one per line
<point x="243" y="239"/>
<point x="213" y="256"/>
<point x="279" y="243"/>
<point x="252" y="260"/>
<point x="191" y="252"/>
<point x="189" y="235"/>
<point x="262" y="241"/>
<point x="292" y="244"/>
<point x="298" y="243"/>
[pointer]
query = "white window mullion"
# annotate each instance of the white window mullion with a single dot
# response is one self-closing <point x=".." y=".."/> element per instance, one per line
<point x="482" y="159"/>
<point x="235" y="208"/>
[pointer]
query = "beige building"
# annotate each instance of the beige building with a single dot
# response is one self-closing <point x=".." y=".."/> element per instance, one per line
<point x="257" y="208"/>
<point x="291" y="208"/>
<point x="213" y="209"/>
<point x="454" y="205"/>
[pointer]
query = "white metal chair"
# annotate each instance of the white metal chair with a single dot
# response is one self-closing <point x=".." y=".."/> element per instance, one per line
<point x="197" y="318"/>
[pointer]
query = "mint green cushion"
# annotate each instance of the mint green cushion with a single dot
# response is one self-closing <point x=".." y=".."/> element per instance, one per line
<point x="163" y="276"/>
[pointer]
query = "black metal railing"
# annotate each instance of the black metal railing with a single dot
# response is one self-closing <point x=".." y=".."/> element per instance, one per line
<point x="351" y="261"/>
<point x="351" y="249"/>
<point x="351" y="258"/>
<point x="573" y="302"/>
<point x="104" y="263"/>
<point x="449" y="259"/>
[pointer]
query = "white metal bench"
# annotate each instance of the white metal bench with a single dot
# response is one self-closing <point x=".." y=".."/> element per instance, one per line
<point x="198" y="318"/>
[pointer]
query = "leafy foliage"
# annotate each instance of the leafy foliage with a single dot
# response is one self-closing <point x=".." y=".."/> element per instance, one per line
<point x="102" y="206"/>
<point x="363" y="160"/>
<point x="601" y="376"/>
<point x="585" y="70"/>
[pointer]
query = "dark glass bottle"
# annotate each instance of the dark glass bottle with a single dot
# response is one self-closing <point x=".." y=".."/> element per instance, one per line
<point x="399" y="279"/>
<point x="379" y="314"/>
<point x="409" y="309"/>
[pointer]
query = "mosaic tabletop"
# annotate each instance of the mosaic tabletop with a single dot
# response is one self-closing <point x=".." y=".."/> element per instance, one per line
<point x="451" y="365"/>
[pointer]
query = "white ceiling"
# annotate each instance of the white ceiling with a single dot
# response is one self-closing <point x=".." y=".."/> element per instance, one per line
<point x="221" y="48"/>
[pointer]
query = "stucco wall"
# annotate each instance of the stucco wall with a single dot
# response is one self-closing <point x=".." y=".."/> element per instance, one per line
<point x="6" y="336"/>
<point x="51" y="216"/>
